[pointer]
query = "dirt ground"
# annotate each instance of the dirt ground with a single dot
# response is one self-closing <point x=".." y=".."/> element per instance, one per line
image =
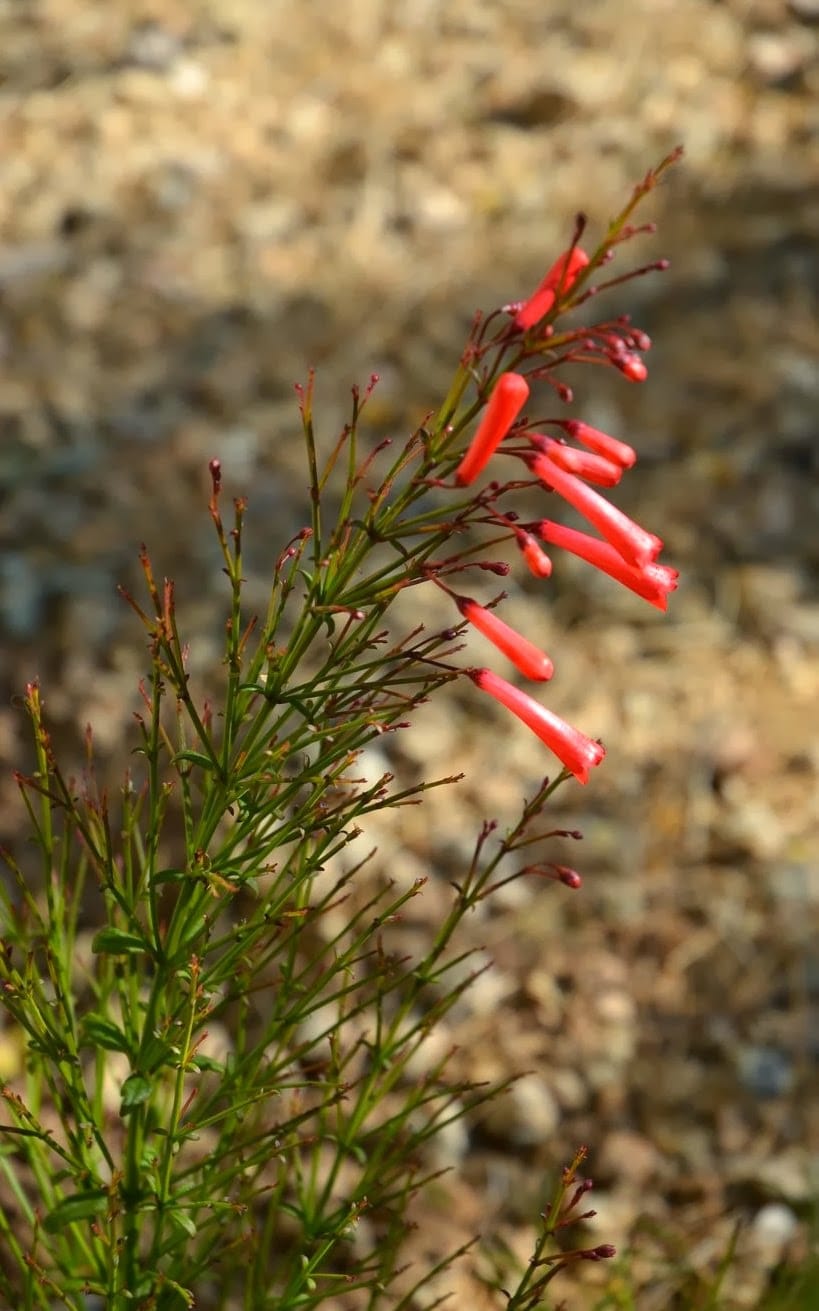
<point x="199" y="199"/>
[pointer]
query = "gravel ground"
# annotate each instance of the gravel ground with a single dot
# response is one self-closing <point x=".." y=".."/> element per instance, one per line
<point x="200" y="199"/>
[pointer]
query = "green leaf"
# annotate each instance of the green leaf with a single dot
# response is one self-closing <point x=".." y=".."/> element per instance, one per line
<point x="154" y="1052"/>
<point x="208" y="1063"/>
<point x="195" y="929"/>
<point x="99" y="1032"/>
<point x="117" y="942"/>
<point x="170" y="876"/>
<point x="194" y="758"/>
<point x="183" y="1221"/>
<point x="135" y="1091"/>
<point x="82" y="1206"/>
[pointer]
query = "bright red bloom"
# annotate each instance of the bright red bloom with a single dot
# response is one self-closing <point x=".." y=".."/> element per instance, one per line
<point x="505" y="404"/>
<point x="594" y="468"/>
<point x="561" y="276"/>
<point x="600" y="442"/>
<point x="652" y="582"/>
<point x="536" y="558"/>
<point x="573" y="749"/>
<point x="528" y="658"/>
<point x="637" y="546"/>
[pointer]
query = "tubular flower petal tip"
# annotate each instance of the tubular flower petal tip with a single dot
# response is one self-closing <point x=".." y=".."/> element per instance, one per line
<point x="574" y="750"/>
<point x="561" y="276"/>
<point x="652" y="582"/>
<point x="537" y="561"/>
<point x="525" y="656"/>
<point x="600" y="442"/>
<point x="637" y="546"/>
<point x="507" y="400"/>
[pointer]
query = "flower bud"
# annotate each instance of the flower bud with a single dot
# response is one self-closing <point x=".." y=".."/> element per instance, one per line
<point x="525" y="656"/>
<point x="507" y="400"/>
<point x="560" y="278"/>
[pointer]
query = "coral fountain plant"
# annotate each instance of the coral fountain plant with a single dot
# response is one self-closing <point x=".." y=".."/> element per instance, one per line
<point x="227" y="1091"/>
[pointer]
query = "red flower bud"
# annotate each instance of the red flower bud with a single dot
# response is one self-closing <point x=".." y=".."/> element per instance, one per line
<point x="561" y="874"/>
<point x="561" y="276"/>
<point x="507" y="400"/>
<point x="594" y="468"/>
<point x="635" y="544"/>
<point x="573" y="749"/>
<point x="652" y="582"/>
<point x="600" y="442"/>
<point x="526" y="657"/>
<point x="569" y="876"/>
<point x="632" y="367"/>
<point x="536" y="558"/>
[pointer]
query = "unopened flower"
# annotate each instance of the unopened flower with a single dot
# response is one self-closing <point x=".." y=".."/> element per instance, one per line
<point x="635" y="544"/>
<point x="537" y="561"/>
<point x="586" y="464"/>
<point x="560" y="873"/>
<point x="632" y="367"/>
<point x="573" y="749"/>
<point x="505" y="404"/>
<point x="652" y="582"/>
<point x="603" y="1252"/>
<point x="600" y="442"/>
<point x="525" y="656"/>
<point x="561" y="276"/>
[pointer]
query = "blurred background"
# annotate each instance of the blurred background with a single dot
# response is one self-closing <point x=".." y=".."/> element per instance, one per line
<point x="201" y="198"/>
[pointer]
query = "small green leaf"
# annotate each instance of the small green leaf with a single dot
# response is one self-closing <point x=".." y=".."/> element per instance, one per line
<point x="117" y="942"/>
<point x="135" y="1091"/>
<point x="183" y="1221"/>
<point x="99" y="1032"/>
<point x="194" y="758"/>
<point x="155" y="1052"/>
<point x="195" y="929"/>
<point x="170" y="876"/>
<point x="82" y="1206"/>
<point x="208" y="1063"/>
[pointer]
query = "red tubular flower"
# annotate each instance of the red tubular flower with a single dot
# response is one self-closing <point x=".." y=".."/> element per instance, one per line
<point x="529" y="659"/>
<point x="573" y="749"/>
<point x="600" y="442"/>
<point x="536" y="558"/>
<point x="594" y="468"/>
<point x="505" y="404"/>
<point x="561" y="276"/>
<point x="637" y="546"/>
<point x="652" y="582"/>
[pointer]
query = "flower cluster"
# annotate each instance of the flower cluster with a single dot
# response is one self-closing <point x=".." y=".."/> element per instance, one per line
<point x="566" y="464"/>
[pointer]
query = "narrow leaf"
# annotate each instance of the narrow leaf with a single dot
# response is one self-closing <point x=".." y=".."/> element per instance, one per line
<point x="99" y="1032"/>
<point x="82" y="1206"/>
<point x="117" y="942"/>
